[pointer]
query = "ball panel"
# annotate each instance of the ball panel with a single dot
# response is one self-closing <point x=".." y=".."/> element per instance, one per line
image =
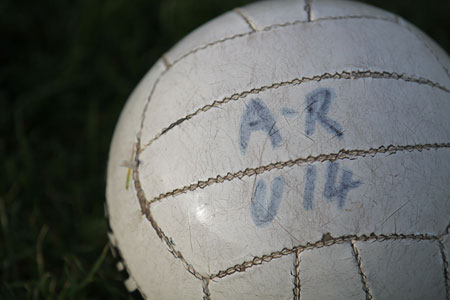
<point x="258" y="282"/>
<point x="139" y="246"/>
<point x="223" y="27"/>
<point x="330" y="273"/>
<point x="123" y="141"/>
<point x="123" y="146"/>
<point x="215" y="227"/>
<point x="132" y="233"/>
<point x="268" y="13"/>
<point x="403" y="269"/>
<point x="370" y="112"/>
<point x="376" y="45"/>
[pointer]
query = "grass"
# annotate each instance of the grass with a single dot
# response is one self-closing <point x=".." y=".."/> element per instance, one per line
<point x="66" y="69"/>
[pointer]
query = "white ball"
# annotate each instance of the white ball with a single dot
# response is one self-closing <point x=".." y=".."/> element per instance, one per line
<point x="286" y="150"/>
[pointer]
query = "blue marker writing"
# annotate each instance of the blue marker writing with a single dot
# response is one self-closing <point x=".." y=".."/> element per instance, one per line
<point x="317" y="106"/>
<point x="331" y="191"/>
<point x="257" y="116"/>
<point x="310" y="183"/>
<point x="262" y="212"/>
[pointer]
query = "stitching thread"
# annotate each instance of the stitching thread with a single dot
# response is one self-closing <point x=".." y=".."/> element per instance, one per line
<point x="341" y="155"/>
<point x="297" y="81"/>
<point x="445" y="264"/>
<point x="361" y="271"/>
<point x="144" y="111"/>
<point x="246" y="19"/>
<point x="324" y="242"/>
<point x="297" y="285"/>
<point x="205" y="288"/>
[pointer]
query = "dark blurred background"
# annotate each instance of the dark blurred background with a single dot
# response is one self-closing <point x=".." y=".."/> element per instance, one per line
<point x="66" y="69"/>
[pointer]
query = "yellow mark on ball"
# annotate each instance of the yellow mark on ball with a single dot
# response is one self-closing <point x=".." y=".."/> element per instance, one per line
<point x="130" y="164"/>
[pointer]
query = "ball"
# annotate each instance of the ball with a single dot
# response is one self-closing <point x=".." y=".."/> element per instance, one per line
<point x="287" y="150"/>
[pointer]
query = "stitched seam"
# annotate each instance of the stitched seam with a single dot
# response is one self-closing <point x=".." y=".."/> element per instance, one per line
<point x="341" y="155"/>
<point x="144" y="111"/>
<point x="145" y="209"/>
<point x="205" y="289"/>
<point x="329" y="241"/>
<point x="297" y="285"/>
<point x="275" y="26"/>
<point x="307" y="9"/>
<point x="445" y="264"/>
<point x="361" y="271"/>
<point x="246" y="19"/>
<point x="346" y="75"/>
